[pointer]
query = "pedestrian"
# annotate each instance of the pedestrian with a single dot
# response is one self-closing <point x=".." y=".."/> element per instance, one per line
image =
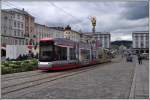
<point x="140" y="59"/>
<point x="129" y="58"/>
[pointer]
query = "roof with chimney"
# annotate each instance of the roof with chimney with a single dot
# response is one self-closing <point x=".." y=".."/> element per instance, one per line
<point x="57" y="28"/>
<point x="17" y="11"/>
<point x="68" y="28"/>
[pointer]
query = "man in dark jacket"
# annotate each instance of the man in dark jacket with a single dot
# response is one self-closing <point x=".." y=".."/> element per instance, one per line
<point x="140" y="59"/>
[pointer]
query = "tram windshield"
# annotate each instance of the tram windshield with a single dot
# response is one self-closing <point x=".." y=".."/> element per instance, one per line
<point x="46" y="52"/>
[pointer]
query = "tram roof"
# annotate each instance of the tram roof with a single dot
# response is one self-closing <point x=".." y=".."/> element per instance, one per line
<point x="56" y="39"/>
<point x="46" y="39"/>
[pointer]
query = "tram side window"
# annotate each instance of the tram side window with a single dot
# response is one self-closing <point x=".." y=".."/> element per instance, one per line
<point x="72" y="54"/>
<point x="87" y="53"/>
<point x="60" y="53"/>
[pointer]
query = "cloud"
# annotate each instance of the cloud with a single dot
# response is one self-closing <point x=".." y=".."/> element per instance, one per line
<point x="119" y="18"/>
<point x="136" y="10"/>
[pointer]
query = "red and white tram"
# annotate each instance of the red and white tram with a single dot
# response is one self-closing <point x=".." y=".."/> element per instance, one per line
<point x="61" y="54"/>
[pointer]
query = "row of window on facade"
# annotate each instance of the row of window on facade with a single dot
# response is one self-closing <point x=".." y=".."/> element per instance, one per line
<point x="6" y="27"/>
<point x="44" y="35"/>
<point x="101" y="37"/>
<point x="7" y="22"/>
<point x="104" y="42"/>
<point x="141" y="37"/>
<point x="39" y="35"/>
<point x="16" y="33"/>
<point x="18" y="24"/>
<point x="27" y="29"/>
<point x="71" y="37"/>
<point x="18" y="16"/>
<point x="15" y="16"/>
<point x="12" y="41"/>
<point x="141" y="44"/>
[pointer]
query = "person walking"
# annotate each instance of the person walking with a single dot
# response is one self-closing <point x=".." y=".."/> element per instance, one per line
<point x="140" y="59"/>
<point x="129" y="58"/>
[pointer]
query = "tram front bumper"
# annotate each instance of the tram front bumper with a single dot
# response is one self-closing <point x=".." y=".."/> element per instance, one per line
<point x="44" y="65"/>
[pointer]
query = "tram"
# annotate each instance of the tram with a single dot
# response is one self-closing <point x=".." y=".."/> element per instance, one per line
<point x="62" y="54"/>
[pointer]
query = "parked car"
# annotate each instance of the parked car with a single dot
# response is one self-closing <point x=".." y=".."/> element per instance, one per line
<point x="145" y="56"/>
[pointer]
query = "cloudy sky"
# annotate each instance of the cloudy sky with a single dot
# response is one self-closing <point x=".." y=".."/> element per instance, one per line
<point x="118" y="18"/>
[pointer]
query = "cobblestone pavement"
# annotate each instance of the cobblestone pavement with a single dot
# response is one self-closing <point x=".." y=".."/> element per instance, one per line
<point x="108" y="81"/>
<point x="140" y="85"/>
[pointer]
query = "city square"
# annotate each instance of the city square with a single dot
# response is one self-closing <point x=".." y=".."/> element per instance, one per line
<point x="74" y="50"/>
<point x="115" y="80"/>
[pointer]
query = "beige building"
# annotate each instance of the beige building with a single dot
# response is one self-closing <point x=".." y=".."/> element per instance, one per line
<point x="29" y="28"/>
<point x="71" y="34"/>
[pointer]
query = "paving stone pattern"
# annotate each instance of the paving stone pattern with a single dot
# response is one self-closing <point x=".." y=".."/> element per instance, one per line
<point x="109" y="81"/>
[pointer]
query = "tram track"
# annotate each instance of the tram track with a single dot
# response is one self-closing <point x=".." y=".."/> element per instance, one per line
<point x="28" y="84"/>
<point x="25" y="80"/>
<point x="19" y="75"/>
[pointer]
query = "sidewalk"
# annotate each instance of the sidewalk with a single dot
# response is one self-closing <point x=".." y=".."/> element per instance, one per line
<point x="140" y="85"/>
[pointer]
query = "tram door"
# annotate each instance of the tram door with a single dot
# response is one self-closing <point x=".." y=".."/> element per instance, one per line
<point x="3" y="53"/>
<point x="84" y="55"/>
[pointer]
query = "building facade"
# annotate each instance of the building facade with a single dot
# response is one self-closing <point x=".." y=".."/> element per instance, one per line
<point x="140" y="41"/>
<point x="17" y="27"/>
<point x="40" y="32"/>
<point x="43" y="31"/>
<point x="71" y="34"/>
<point x="29" y="29"/>
<point x="102" y="39"/>
<point x="12" y="27"/>
<point x="6" y="27"/>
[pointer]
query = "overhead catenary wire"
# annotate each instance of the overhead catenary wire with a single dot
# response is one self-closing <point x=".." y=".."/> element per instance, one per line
<point x="77" y="24"/>
<point x="11" y="5"/>
<point x="8" y="4"/>
<point x="64" y="11"/>
<point x="14" y="6"/>
<point x="61" y="9"/>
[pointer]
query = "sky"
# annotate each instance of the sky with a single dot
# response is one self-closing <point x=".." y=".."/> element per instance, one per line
<point x="117" y="17"/>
